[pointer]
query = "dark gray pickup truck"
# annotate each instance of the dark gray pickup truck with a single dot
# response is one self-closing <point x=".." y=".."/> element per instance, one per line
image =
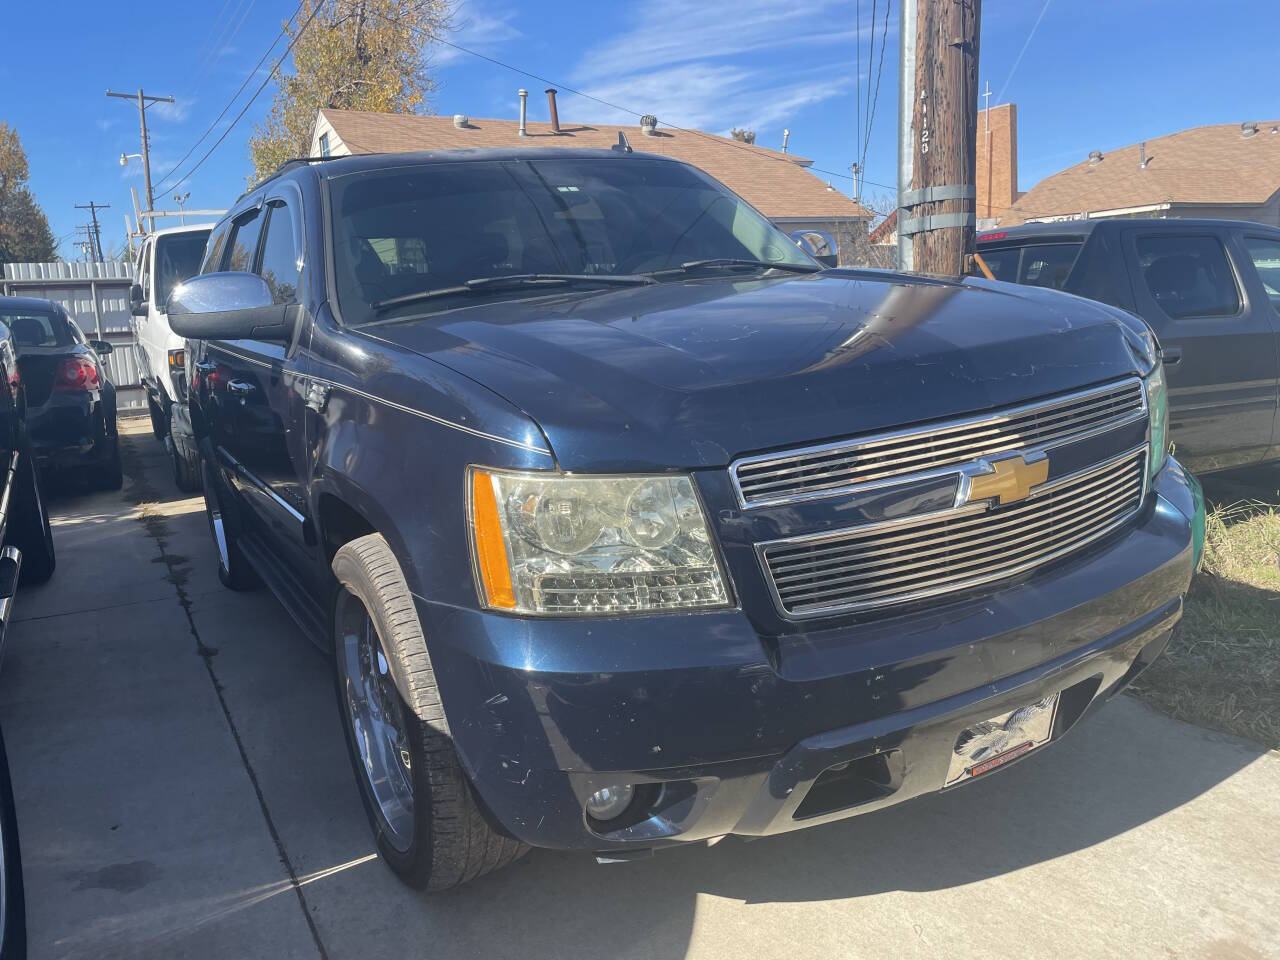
<point x="1211" y="291"/>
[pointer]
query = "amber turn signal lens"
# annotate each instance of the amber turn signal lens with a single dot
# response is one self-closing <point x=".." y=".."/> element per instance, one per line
<point x="491" y="548"/>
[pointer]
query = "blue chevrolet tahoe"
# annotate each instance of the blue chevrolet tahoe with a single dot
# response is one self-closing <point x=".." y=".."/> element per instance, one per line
<point x="628" y="525"/>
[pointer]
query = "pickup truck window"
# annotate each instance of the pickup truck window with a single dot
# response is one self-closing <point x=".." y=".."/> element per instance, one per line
<point x="213" y="251"/>
<point x="177" y="258"/>
<point x="1265" y="255"/>
<point x="1188" y="276"/>
<point x="1033" y="264"/>
<point x="409" y="229"/>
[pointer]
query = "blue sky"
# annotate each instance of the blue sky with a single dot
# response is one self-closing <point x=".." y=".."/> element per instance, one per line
<point x="1093" y="74"/>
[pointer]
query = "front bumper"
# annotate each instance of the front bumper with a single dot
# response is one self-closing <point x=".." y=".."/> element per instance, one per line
<point x="738" y="733"/>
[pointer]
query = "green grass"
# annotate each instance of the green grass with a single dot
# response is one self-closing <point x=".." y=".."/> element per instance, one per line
<point x="1222" y="670"/>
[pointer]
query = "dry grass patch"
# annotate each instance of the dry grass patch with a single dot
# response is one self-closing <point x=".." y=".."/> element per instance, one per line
<point x="1223" y="669"/>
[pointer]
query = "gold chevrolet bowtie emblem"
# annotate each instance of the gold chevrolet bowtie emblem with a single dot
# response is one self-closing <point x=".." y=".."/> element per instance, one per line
<point x="1011" y="478"/>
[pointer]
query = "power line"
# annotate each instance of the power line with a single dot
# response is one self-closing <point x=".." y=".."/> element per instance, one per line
<point x="871" y="120"/>
<point x="1035" y="26"/>
<point x="233" y="99"/>
<point x="274" y="70"/>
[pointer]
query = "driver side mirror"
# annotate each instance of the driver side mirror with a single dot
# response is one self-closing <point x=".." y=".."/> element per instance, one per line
<point x="819" y="245"/>
<point x="230" y="306"/>
<point x="137" y="302"/>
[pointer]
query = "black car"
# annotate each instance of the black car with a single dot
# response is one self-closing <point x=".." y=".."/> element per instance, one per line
<point x="71" y="405"/>
<point x="629" y="525"/>
<point x="1211" y="291"/>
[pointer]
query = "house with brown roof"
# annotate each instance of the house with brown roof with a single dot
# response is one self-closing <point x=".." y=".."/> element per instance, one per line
<point x="775" y="183"/>
<point x="1225" y="170"/>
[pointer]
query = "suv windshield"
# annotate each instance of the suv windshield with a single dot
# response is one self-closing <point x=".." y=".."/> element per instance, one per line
<point x="178" y="258"/>
<point x="411" y="229"/>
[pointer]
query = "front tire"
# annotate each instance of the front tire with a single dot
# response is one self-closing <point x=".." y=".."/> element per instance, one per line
<point x="234" y="569"/>
<point x="159" y="426"/>
<point x="427" y="823"/>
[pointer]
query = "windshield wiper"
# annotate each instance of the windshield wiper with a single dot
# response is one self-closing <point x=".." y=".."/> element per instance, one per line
<point x="733" y="263"/>
<point x="517" y="280"/>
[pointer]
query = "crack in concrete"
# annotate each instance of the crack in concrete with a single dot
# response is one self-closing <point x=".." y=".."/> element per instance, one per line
<point x="144" y="497"/>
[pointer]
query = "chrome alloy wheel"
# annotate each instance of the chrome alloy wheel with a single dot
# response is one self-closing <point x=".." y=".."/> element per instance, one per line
<point x="377" y="717"/>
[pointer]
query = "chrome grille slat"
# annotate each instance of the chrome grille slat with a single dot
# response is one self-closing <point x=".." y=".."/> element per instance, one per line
<point x="1081" y="513"/>
<point x="1011" y="427"/>
<point x="896" y="561"/>
<point x="839" y="468"/>
<point x="959" y="520"/>
<point x="962" y="454"/>
<point x="963" y="559"/>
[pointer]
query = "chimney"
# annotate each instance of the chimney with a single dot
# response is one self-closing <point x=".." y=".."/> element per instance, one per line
<point x="649" y="125"/>
<point x="551" y="103"/>
<point x="524" y="111"/>
<point x="786" y="135"/>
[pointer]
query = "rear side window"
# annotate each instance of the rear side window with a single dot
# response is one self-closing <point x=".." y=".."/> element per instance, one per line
<point x="1265" y="255"/>
<point x="1034" y="264"/>
<point x="35" y="328"/>
<point x="244" y="241"/>
<point x="1188" y="276"/>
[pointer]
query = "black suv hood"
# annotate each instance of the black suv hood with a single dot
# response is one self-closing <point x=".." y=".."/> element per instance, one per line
<point x="697" y="373"/>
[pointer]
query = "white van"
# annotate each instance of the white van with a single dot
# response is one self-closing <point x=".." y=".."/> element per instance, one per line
<point x="168" y="257"/>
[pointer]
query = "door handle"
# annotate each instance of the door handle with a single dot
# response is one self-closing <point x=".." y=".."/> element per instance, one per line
<point x="240" y="388"/>
<point x="205" y="366"/>
<point x="1172" y="356"/>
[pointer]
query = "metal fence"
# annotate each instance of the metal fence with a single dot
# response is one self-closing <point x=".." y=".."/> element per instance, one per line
<point x="96" y="295"/>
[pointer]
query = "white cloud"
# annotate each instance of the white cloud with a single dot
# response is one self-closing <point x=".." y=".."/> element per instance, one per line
<point x="715" y="67"/>
<point x="482" y="30"/>
<point x="176" y="112"/>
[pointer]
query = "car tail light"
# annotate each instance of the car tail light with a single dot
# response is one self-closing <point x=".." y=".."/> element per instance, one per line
<point x="77" y="373"/>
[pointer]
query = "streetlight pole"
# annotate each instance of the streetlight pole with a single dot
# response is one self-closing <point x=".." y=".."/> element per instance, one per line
<point x="181" y="200"/>
<point x="143" y="100"/>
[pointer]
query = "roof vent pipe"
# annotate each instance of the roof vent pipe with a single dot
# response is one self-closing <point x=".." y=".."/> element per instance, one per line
<point x="551" y="103"/>
<point x="1248" y="128"/>
<point x="1142" y="155"/>
<point x="1095" y="157"/>
<point x="786" y="135"/>
<point x="460" y="121"/>
<point x="649" y="125"/>
<point x="524" y="111"/>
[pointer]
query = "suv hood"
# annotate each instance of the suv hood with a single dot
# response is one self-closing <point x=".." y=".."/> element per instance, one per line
<point x="695" y="374"/>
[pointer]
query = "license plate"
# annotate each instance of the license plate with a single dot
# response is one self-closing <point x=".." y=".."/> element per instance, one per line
<point x="993" y="743"/>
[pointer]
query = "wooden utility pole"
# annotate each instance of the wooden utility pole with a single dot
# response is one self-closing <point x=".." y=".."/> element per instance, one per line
<point x="144" y="100"/>
<point x="96" y="231"/>
<point x="937" y="134"/>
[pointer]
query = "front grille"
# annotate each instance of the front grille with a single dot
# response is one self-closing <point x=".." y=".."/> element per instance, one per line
<point x="879" y="564"/>
<point x="839" y="468"/>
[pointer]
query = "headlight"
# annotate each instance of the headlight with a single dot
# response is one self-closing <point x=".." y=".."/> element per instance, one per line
<point x="591" y="546"/>
<point x="1158" y="413"/>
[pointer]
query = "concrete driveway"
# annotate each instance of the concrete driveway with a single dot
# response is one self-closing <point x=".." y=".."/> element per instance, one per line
<point x="183" y="791"/>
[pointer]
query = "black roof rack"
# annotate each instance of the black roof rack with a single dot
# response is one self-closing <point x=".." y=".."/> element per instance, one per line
<point x="285" y="168"/>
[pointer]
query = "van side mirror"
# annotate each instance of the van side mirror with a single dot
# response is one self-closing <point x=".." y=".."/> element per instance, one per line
<point x="819" y="245"/>
<point x="137" y="302"/>
<point x="100" y="347"/>
<point x="230" y="306"/>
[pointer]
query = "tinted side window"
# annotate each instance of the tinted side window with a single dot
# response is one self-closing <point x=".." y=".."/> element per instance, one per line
<point x="1002" y="262"/>
<point x="1188" y="276"/>
<point x="213" y="251"/>
<point x="1265" y="255"/>
<point x="1035" y="264"/>
<point x="244" y="241"/>
<point x="279" y="256"/>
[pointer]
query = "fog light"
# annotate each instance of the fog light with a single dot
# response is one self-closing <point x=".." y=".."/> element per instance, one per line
<point x="610" y="802"/>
